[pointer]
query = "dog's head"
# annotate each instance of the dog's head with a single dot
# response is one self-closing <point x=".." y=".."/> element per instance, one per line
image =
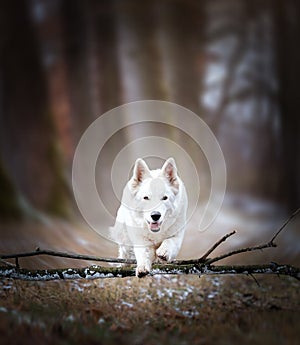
<point x="155" y="192"/>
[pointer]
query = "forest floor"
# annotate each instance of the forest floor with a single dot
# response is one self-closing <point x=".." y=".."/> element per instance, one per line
<point x="152" y="310"/>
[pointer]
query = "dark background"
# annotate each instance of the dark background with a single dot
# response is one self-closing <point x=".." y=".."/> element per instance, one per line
<point x="235" y="63"/>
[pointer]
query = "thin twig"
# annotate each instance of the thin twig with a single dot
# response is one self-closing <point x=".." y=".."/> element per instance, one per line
<point x="241" y="250"/>
<point x="223" y="239"/>
<point x="253" y="277"/>
<point x="269" y="244"/>
<point x="203" y="258"/>
<point x="285" y="224"/>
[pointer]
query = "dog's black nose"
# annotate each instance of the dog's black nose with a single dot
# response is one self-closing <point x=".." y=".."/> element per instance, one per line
<point x="155" y="215"/>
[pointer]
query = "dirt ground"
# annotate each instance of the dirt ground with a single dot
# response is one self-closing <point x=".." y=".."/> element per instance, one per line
<point x="153" y="310"/>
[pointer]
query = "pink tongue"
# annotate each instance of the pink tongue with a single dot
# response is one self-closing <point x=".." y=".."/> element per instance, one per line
<point x="154" y="226"/>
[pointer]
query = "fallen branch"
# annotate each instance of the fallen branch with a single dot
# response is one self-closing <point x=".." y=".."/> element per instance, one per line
<point x="94" y="272"/>
<point x="203" y="265"/>
<point x="38" y="251"/>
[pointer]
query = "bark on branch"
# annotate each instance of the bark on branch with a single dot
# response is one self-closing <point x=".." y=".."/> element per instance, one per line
<point x="93" y="272"/>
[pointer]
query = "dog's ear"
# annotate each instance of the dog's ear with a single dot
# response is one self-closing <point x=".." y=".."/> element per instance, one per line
<point x="140" y="172"/>
<point x="169" y="170"/>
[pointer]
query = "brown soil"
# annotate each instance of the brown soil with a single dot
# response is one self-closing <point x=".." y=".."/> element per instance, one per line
<point x="153" y="310"/>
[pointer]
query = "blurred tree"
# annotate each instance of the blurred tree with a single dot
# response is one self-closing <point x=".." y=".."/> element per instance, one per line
<point x="10" y="206"/>
<point x="179" y="33"/>
<point x="92" y="59"/>
<point x="28" y="137"/>
<point x="287" y="13"/>
<point x="138" y="59"/>
<point x="81" y="63"/>
<point x="241" y="93"/>
<point x="47" y="19"/>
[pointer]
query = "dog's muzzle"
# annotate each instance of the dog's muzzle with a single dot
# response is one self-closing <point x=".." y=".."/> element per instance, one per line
<point x="155" y="223"/>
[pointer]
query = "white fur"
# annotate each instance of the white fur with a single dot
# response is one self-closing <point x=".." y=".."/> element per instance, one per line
<point x="135" y="230"/>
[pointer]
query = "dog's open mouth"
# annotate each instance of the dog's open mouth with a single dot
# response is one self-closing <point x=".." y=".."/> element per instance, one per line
<point x="154" y="226"/>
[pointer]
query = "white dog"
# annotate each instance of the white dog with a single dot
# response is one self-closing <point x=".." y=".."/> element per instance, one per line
<point x="151" y="220"/>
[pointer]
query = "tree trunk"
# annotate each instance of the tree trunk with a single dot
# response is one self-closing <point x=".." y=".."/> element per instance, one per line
<point x="31" y="152"/>
<point x="288" y="54"/>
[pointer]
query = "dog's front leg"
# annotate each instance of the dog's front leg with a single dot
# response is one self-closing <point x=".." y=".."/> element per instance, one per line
<point x="169" y="248"/>
<point x="144" y="257"/>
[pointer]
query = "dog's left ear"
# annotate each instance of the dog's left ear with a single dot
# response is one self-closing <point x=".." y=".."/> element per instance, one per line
<point x="169" y="170"/>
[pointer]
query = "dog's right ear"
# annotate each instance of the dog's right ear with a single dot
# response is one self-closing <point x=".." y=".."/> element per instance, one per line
<point x="140" y="172"/>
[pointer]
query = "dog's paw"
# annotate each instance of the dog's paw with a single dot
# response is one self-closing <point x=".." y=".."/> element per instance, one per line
<point x="164" y="253"/>
<point x="142" y="271"/>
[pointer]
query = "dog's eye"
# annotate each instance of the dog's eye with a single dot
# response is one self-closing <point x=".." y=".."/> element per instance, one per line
<point x="164" y="198"/>
<point x="146" y="197"/>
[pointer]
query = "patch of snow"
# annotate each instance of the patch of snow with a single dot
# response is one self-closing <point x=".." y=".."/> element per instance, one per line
<point x="160" y="294"/>
<point x="216" y="282"/>
<point x="145" y="299"/>
<point x="169" y="292"/>
<point x="213" y="294"/>
<point x="75" y="286"/>
<point x="129" y="305"/>
<point x="188" y="313"/>
<point x="174" y="280"/>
